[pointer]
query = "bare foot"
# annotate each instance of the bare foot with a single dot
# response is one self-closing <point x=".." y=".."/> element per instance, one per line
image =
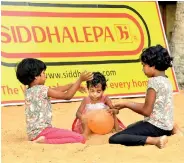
<point x="41" y="139"/>
<point x="162" y="142"/>
<point x="113" y="131"/>
<point x="116" y="130"/>
<point x="177" y="131"/>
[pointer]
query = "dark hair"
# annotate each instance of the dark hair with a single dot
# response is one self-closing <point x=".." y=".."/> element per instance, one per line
<point x="28" y="69"/>
<point x="157" y="56"/>
<point x="97" y="78"/>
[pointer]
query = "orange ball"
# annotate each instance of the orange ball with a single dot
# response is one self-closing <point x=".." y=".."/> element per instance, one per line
<point x="100" y="121"/>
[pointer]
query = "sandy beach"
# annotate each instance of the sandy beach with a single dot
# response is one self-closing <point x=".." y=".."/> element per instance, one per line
<point x="17" y="149"/>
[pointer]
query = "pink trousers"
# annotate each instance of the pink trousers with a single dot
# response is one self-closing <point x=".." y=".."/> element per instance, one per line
<point x="60" y="136"/>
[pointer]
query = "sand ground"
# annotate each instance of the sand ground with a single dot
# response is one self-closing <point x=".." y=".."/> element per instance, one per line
<point x="16" y="148"/>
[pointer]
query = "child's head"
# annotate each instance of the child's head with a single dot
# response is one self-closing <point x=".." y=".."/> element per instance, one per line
<point x="155" y="58"/>
<point x="97" y="86"/>
<point x="30" y="71"/>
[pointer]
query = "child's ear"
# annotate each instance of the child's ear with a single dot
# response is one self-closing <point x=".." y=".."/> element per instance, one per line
<point x="36" y="77"/>
<point x="153" y="68"/>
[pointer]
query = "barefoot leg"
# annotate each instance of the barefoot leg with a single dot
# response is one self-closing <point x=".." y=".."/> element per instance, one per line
<point x="86" y="131"/>
<point x="160" y="142"/>
<point x="41" y="139"/>
<point x="176" y="130"/>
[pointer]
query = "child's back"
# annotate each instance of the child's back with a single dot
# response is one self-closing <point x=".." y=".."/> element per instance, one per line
<point x="162" y="115"/>
<point x="37" y="109"/>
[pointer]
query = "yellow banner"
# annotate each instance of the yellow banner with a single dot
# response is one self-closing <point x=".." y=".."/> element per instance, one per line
<point x="71" y="37"/>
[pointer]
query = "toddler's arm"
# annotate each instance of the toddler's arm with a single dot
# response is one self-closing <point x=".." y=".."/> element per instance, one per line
<point x="108" y="102"/>
<point x="80" y="109"/>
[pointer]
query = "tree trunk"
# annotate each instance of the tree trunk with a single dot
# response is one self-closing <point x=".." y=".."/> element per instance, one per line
<point x="177" y="44"/>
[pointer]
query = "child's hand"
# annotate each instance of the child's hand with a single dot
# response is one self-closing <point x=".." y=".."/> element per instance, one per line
<point x="82" y="89"/>
<point x="112" y="111"/>
<point x="86" y="76"/>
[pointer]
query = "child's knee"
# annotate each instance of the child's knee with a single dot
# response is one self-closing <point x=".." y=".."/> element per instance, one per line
<point x="113" y="140"/>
